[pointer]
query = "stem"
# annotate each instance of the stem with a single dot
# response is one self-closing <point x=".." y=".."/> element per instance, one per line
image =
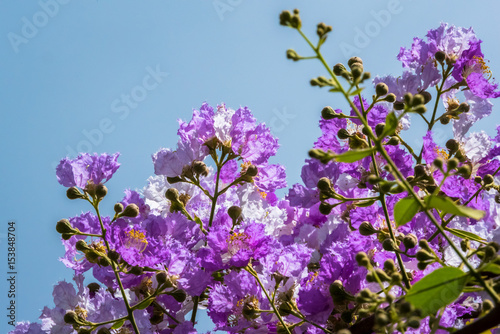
<point x="254" y="274"/>
<point x="117" y="275"/>
<point x="195" y="309"/>
<point x="301" y="317"/>
<point x="165" y="311"/>
<point x="216" y="195"/>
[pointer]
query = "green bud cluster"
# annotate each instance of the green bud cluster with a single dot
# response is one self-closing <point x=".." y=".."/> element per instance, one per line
<point x="290" y="20"/>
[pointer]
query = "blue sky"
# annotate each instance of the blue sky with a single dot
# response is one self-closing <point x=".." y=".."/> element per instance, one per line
<point x="108" y="76"/>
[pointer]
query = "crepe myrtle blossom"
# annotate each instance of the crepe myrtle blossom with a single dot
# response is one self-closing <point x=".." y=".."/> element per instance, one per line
<point x="333" y="248"/>
<point x="87" y="168"/>
<point x="236" y="133"/>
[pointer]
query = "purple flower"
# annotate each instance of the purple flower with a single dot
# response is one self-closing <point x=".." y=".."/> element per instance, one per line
<point x="25" y="327"/>
<point x="87" y="168"/>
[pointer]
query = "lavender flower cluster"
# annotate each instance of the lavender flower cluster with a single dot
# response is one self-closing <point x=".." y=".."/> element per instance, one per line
<point x="335" y="255"/>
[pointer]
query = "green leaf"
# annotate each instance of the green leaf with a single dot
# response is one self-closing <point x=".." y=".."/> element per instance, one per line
<point x="354" y="155"/>
<point x="391" y="123"/>
<point x="356" y="92"/>
<point x="436" y="290"/>
<point x="144" y="304"/>
<point x="491" y="268"/>
<point x="118" y="324"/>
<point x="464" y="234"/>
<point x="366" y="203"/>
<point x="445" y="204"/>
<point x="405" y="210"/>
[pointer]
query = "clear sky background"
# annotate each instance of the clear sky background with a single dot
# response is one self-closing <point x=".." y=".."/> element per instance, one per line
<point x="66" y="71"/>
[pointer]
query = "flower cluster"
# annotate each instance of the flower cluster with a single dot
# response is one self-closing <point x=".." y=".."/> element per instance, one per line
<point x="376" y="230"/>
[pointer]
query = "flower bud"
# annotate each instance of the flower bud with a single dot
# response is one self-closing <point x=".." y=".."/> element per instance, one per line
<point x="478" y="179"/>
<point x="250" y="310"/>
<point x="200" y="168"/>
<point x="382" y="319"/>
<point x="452" y="163"/>
<point x="103" y="330"/>
<point x="329" y="113"/>
<point x="291" y="54"/>
<point x="396" y="278"/>
<point x="393" y="141"/>
<point x="132" y="210"/>
<point x="381" y="89"/>
<point x="421" y="109"/>
<point x="379" y="128"/>
<point x="343" y="134"/>
<point x="64" y="226"/>
<point x="346" y="316"/>
<point x="285" y="17"/>
<point x="172" y="195"/>
<point x="113" y="255"/>
<point x="452" y="145"/>
<point x="92" y="256"/>
<point x="488" y="179"/>
<point x="410" y="241"/>
<point x="398" y="105"/>
<point x="362" y="259"/>
<point x="234" y="212"/>
<point x="74" y="193"/>
<point x="179" y="295"/>
<point x="338" y="69"/>
<point x="373" y="179"/>
<point x="422" y="265"/>
<point x="463" y="107"/>
<point x="101" y="191"/>
<point x="82" y="246"/>
<point x="356" y="70"/>
<point x="338" y="293"/>
<point x="444" y="120"/>
<point x="465" y="171"/>
<point x="413" y="322"/>
<point x="391" y="98"/>
<point x="136" y="270"/>
<point x="438" y="162"/>
<point x="354" y="60"/>
<point x="71" y="318"/>
<point x="367" y="229"/>
<point x="423" y="255"/>
<point x="161" y="277"/>
<point x="419" y="171"/>
<point x="343" y="331"/>
<point x="427" y="96"/>
<point x="389" y="266"/>
<point x="440" y="56"/>
<point x="67" y="236"/>
<point x="93" y="287"/>
<point x="174" y="179"/>
<point x="324" y="184"/>
<point x="417" y="100"/>
<point x="325" y="208"/>
<point x="118" y="208"/>
<point x="408" y="98"/>
<point x="83" y="330"/>
<point x="252" y="171"/>
<point x="424" y="244"/>
<point x="389" y="245"/>
<point x="104" y="261"/>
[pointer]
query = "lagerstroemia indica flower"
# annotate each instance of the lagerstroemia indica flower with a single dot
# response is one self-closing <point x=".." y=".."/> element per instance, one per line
<point x="87" y="168"/>
<point x="217" y="235"/>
